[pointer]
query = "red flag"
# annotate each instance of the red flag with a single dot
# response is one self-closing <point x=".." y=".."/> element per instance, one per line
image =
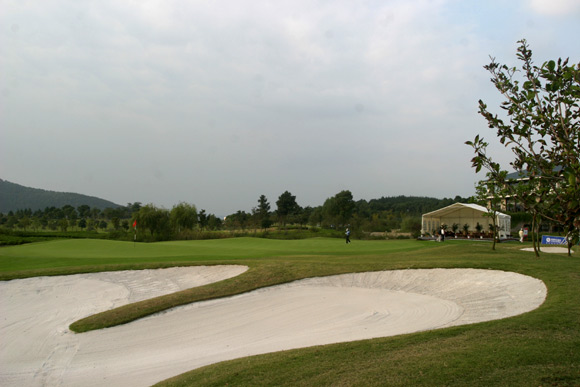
<point x="135" y="224"/>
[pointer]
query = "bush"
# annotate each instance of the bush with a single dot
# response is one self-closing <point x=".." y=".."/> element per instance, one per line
<point x="120" y="235"/>
<point x="520" y="217"/>
<point x="12" y="237"/>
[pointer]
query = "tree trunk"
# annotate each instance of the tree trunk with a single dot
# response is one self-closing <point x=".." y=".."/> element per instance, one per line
<point x="535" y="235"/>
<point x="494" y="231"/>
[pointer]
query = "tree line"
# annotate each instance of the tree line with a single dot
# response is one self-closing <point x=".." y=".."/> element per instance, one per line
<point x="67" y="218"/>
<point x="341" y="210"/>
<point x="183" y="220"/>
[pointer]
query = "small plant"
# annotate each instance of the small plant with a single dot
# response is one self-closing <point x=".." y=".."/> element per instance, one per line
<point x="455" y="227"/>
<point x="465" y="229"/>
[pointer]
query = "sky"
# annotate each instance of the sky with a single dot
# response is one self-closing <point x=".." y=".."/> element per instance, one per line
<point x="215" y="103"/>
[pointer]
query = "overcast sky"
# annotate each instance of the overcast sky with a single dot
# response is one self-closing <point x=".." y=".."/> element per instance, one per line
<point x="215" y="103"/>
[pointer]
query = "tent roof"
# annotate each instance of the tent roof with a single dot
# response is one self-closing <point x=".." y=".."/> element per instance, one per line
<point x="455" y="207"/>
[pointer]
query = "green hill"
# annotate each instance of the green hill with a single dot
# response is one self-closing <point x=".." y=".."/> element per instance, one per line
<point x="17" y="197"/>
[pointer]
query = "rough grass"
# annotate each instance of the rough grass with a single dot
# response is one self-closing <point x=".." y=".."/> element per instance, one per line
<point x="539" y="348"/>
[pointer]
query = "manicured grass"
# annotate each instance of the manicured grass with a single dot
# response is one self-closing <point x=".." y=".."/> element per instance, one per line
<point x="539" y="348"/>
<point x="86" y="255"/>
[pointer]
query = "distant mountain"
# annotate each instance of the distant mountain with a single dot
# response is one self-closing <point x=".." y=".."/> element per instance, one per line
<point x="17" y="197"/>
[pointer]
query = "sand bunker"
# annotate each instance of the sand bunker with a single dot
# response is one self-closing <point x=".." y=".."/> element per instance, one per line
<point x="38" y="349"/>
<point x="551" y="250"/>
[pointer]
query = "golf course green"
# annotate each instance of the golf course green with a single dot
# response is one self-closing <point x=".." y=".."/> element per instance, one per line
<point x="541" y="347"/>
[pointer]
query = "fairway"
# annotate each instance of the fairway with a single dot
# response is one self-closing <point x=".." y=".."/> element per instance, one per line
<point x="369" y="303"/>
<point x="73" y="256"/>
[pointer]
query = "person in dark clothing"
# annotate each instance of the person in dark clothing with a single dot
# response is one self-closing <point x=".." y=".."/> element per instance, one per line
<point x="347" y="236"/>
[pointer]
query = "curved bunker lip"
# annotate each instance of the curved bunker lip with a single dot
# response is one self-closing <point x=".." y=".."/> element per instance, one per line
<point x="302" y="313"/>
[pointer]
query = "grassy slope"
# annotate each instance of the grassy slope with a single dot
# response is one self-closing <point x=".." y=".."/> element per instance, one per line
<point x="538" y="348"/>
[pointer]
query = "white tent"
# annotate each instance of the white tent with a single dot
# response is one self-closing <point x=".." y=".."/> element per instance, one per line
<point x="461" y="214"/>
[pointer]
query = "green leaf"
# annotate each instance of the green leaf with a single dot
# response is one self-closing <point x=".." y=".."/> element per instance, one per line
<point x="531" y="95"/>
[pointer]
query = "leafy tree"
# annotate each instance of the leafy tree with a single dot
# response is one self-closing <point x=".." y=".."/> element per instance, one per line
<point x="316" y="217"/>
<point x="154" y="219"/>
<point x="116" y="223"/>
<point x="36" y="224"/>
<point x="120" y="212"/>
<point x="242" y="218"/>
<point x="305" y="214"/>
<point x="134" y="207"/>
<point x="24" y="223"/>
<point x="411" y="224"/>
<point x="91" y="226"/>
<point x="363" y="209"/>
<point x="340" y="207"/>
<point x="69" y="212"/>
<point x="84" y="211"/>
<point x="95" y="213"/>
<point x="286" y="206"/>
<point x="54" y="213"/>
<point x="544" y="134"/>
<point x="10" y="220"/>
<point x="409" y="205"/>
<point x="213" y="222"/>
<point x="296" y="216"/>
<point x="63" y="224"/>
<point x="263" y="212"/>
<point x="183" y="216"/>
<point x="238" y="220"/>
<point x="203" y="219"/>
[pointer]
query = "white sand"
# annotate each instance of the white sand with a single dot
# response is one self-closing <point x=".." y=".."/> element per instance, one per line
<point x="38" y="349"/>
<point x="550" y="249"/>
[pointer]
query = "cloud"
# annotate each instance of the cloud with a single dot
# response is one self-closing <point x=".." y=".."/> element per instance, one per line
<point x="555" y="7"/>
<point x="216" y="103"/>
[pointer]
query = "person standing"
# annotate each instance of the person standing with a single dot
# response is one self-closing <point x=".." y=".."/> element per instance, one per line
<point x="442" y="234"/>
<point x="347" y="233"/>
<point x="521" y="235"/>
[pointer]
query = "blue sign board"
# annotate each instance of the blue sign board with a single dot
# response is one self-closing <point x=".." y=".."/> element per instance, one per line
<point x="553" y="240"/>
